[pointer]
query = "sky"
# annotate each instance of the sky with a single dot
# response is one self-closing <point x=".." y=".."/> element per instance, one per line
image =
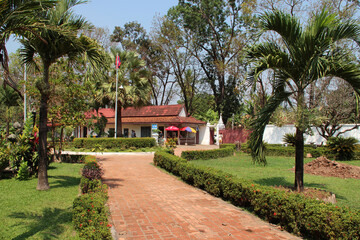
<point x="111" y="13"/>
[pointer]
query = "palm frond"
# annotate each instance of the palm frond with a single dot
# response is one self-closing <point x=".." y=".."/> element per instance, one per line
<point x="259" y="124"/>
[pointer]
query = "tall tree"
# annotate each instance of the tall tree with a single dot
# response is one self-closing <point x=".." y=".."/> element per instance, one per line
<point x="216" y="32"/>
<point x="51" y="44"/>
<point x="307" y="55"/>
<point x="133" y="37"/>
<point x="17" y="17"/>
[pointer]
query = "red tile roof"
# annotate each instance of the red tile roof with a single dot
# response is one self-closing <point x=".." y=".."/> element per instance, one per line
<point x="168" y="114"/>
<point x="148" y="111"/>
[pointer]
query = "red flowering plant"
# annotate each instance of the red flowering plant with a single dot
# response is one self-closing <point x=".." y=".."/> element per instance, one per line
<point x="20" y="149"/>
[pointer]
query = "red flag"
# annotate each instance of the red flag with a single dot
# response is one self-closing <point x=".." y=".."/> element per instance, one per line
<point x="118" y="62"/>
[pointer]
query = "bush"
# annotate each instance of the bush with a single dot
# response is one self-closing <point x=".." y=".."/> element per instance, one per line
<point x="109" y="143"/>
<point x="88" y="185"/>
<point x="295" y="213"/>
<point x="90" y="216"/>
<point x="225" y="145"/>
<point x="67" y="158"/>
<point x="23" y="173"/>
<point x="342" y="148"/>
<point x="289" y="138"/>
<point x="4" y="160"/>
<point x="207" y="154"/>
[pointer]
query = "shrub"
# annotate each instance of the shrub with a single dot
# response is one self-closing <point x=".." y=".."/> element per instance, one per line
<point x="88" y="185"/>
<point x="109" y="143"/>
<point x="67" y="158"/>
<point x="289" y="138"/>
<point x="342" y="148"/>
<point x="207" y="154"/>
<point x="4" y="160"/>
<point x="295" y="213"/>
<point x="90" y="215"/>
<point x="23" y="173"/>
<point x="225" y="145"/>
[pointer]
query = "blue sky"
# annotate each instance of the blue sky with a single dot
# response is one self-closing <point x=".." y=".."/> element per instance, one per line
<point x="111" y="13"/>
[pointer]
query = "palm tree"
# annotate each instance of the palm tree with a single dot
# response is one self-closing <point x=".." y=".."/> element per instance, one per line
<point x="133" y="77"/>
<point x="303" y="57"/>
<point x="50" y="46"/>
<point x="17" y="17"/>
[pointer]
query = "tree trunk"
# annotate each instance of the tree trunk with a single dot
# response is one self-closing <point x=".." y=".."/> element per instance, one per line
<point x="43" y="183"/>
<point x="119" y="122"/>
<point x="299" y="160"/>
<point x="299" y="142"/>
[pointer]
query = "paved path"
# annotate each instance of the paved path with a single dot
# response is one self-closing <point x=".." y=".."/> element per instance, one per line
<point x="147" y="203"/>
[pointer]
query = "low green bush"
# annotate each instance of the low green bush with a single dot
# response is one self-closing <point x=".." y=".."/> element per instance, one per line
<point x="342" y="148"/>
<point x="225" y="145"/>
<point x="207" y="154"/>
<point x="295" y="213"/>
<point x="67" y="158"/>
<point x="88" y="185"/>
<point x="109" y="143"/>
<point x="90" y="215"/>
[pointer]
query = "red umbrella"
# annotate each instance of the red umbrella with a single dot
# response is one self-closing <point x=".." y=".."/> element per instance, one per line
<point x="172" y="128"/>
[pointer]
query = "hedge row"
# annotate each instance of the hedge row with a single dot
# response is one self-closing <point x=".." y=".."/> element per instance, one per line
<point x="225" y="145"/>
<point x="90" y="215"/>
<point x="295" y="213"/>
<point x="109" y="143"/>
<point x="207" y="154"/>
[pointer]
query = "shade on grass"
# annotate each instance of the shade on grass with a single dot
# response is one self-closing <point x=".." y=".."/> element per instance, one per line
<point x="278" y="172"/>
<point x="26" y="213"/>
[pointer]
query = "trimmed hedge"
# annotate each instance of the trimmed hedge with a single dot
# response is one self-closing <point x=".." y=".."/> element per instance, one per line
<point x="109" y="143"/>
<point x="295" y="213"/>
<point x="225" y="145"/>
<point x="90" y="215"/>
<point x="207" y="154"/>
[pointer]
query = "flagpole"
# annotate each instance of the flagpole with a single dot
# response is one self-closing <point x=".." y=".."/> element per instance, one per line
<point x="25" y="94"/>
<point x="116" y="97"/>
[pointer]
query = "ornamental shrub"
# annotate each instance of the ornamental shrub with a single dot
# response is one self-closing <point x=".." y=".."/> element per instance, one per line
<point x="207" y="154"/>
<point x="88" y="185"/>
<point x="304" y="216"/>
<point x="90" y="215"/>
<point x="342" y="148"/>
<point x="225" y="145"/>
<point x="289" y="138"/>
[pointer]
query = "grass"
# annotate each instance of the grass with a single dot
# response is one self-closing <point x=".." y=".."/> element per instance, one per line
<point x="277" y="172"/>
<point x="26" y="213"/>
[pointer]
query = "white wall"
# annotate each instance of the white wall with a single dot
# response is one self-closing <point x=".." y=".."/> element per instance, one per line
<point x="204" y="135"/>
<point x="274" y="134"/>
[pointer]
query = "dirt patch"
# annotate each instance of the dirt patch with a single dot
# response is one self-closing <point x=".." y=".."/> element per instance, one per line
<point x="312" y="193"/>
<point x="325" y="167"/>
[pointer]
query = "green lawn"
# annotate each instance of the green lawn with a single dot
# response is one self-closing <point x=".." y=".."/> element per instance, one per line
<point x="278" y="172"/>
<point x="26" y="213"/>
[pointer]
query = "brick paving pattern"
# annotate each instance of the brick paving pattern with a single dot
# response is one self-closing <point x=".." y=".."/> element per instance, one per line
<point x="147" y="203"/>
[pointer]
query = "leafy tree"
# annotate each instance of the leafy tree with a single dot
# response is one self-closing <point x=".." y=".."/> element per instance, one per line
<point x="336" y="106"/>
<point x="133" y="37"/>
<point x="17" y="17"/>
<point x="214" y="34"/>
<point x="307" y="55"/>
<point x="52" y="44"/>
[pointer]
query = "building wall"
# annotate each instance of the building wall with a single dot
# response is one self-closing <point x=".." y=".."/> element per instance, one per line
<point x="274" y="134"/>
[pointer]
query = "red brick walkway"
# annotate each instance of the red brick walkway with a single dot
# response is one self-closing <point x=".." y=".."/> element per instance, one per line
<point x="147" y="203"/>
